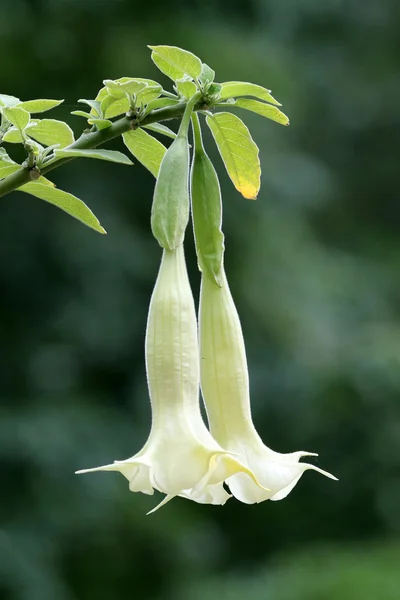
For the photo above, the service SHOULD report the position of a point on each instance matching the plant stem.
(184, 126)
(198, 142)
(92, 140)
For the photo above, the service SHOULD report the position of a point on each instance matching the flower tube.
(180, 456)
(225, 389)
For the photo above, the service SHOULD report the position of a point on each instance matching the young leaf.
(145, 148)
(175, 63)
(101, 123)
(266, 110)
(207, 74)
(13, 136)
(64, 200)
(238, 151)
(94, 104)
(39, 106)
(159, 128)
(113, 107)
(234, 89)
(50, 131)
(120, 89)
(187, 89)
(110, 155)
(82, 113)
(7, 165)
(17, 116)
(160, 103)
(6, 100)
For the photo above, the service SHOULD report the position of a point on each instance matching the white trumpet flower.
(180, 456)
(225, 388)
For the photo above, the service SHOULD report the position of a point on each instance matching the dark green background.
(314, 269)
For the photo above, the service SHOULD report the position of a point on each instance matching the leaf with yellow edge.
(145, 148)
(175, 63)
(64, 200)
(238, 151)
(234, 89)
(265, 110)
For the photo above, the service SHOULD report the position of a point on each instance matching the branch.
(92, 140)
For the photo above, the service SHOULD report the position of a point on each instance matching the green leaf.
(120, 89)
(207, 74)
(214, 89)
(266, 110)
(13, 136)
(8, 169)
(110, 155)
(50, 131)
(7, 165)
(64, 200)
(101, 123)
(157, 127)
(145, 148)
(38, 106)
(6, 100)
(113, 107)
(160, 103)
(238, 151)
(94, 104)
(233, 89)
(17, 116)
(175, 63)
(187, 89)
(82, 113)
(45, 181)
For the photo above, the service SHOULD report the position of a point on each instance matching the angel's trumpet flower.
(225, 389)
(180, 456)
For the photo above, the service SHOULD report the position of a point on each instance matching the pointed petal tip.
(94, 469)
(164, 501)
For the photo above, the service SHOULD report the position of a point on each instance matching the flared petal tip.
(94, 469)
(164, 501)
(318, 470)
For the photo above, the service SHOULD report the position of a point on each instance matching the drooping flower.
(180, 456)
(225, 389)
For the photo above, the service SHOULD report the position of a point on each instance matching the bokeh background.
(314, 269)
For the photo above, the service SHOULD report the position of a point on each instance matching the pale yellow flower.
(180, 456)
(225, 389)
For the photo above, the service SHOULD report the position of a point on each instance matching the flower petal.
(211, 494)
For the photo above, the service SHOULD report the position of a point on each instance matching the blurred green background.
(314, 269)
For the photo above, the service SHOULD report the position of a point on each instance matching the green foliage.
(39, 106)
(234, 89)
(146, 149)
(266, 110)
(7, 165)
(176, 63)
(17, 116)
(238, 151)
(50, 132)
(64, 200)
(161, 129)
(110, 155)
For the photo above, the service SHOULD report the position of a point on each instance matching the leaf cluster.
(130, 106)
